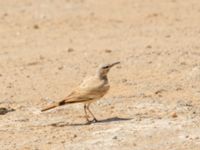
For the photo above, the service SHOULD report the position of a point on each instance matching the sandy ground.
(47, 47)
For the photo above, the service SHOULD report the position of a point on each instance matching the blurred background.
(47, 47)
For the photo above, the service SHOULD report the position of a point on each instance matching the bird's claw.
(94, 120)
(91, 121)
(88, 123)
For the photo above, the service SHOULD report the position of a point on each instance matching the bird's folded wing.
(77, 96)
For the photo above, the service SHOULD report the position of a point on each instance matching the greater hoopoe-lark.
(90, 90)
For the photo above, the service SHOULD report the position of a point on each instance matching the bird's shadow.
(113, 119)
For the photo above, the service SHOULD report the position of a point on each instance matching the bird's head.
(104, 69)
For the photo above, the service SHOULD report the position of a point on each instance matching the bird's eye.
(105, 67)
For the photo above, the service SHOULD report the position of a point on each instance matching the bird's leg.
(86, 115)
(94, 118)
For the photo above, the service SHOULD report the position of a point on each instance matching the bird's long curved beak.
(115, 63)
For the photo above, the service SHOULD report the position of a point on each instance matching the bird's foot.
(91, 121)
(88, 123)
(95, 120)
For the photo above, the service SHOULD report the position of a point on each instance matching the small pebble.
(118, 67)
(49, 142)
(41, 57)
(174, 115)
(60, 68)
(54, 137)
(168, 36)
(5, 14)
(32, 63)
(36, 26)
(70, 50)
(108, 51)
(148, 46)
(124, 80)
(74, 136)
(9, 86)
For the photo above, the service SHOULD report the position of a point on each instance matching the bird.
(90, 90)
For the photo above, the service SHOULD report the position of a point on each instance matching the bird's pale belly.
(96, 94)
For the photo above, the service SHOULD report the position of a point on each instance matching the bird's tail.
(50, 107)
(54, 105)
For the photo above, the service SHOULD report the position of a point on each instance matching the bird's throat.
(103, 77)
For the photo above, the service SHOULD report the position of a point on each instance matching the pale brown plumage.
(90, 90)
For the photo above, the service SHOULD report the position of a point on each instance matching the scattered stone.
(118, 67)
(174, 115)
(155, 15)
(41, 57)
(63, 142)
(60, 68)
(149, 46)
(160, 91)
(53, 136)
(70, 50)
(168, 36)
(115, 138)
(183, 63)
(32, 63)
(108, 51)
(22, 120)
(5, 14)
(9, 86)
(179, 89)
(159, 117)
(49, 142)
(36, 26)
(4, 110)
(124, 80)
(74, 136)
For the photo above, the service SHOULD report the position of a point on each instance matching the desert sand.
(48, 47)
